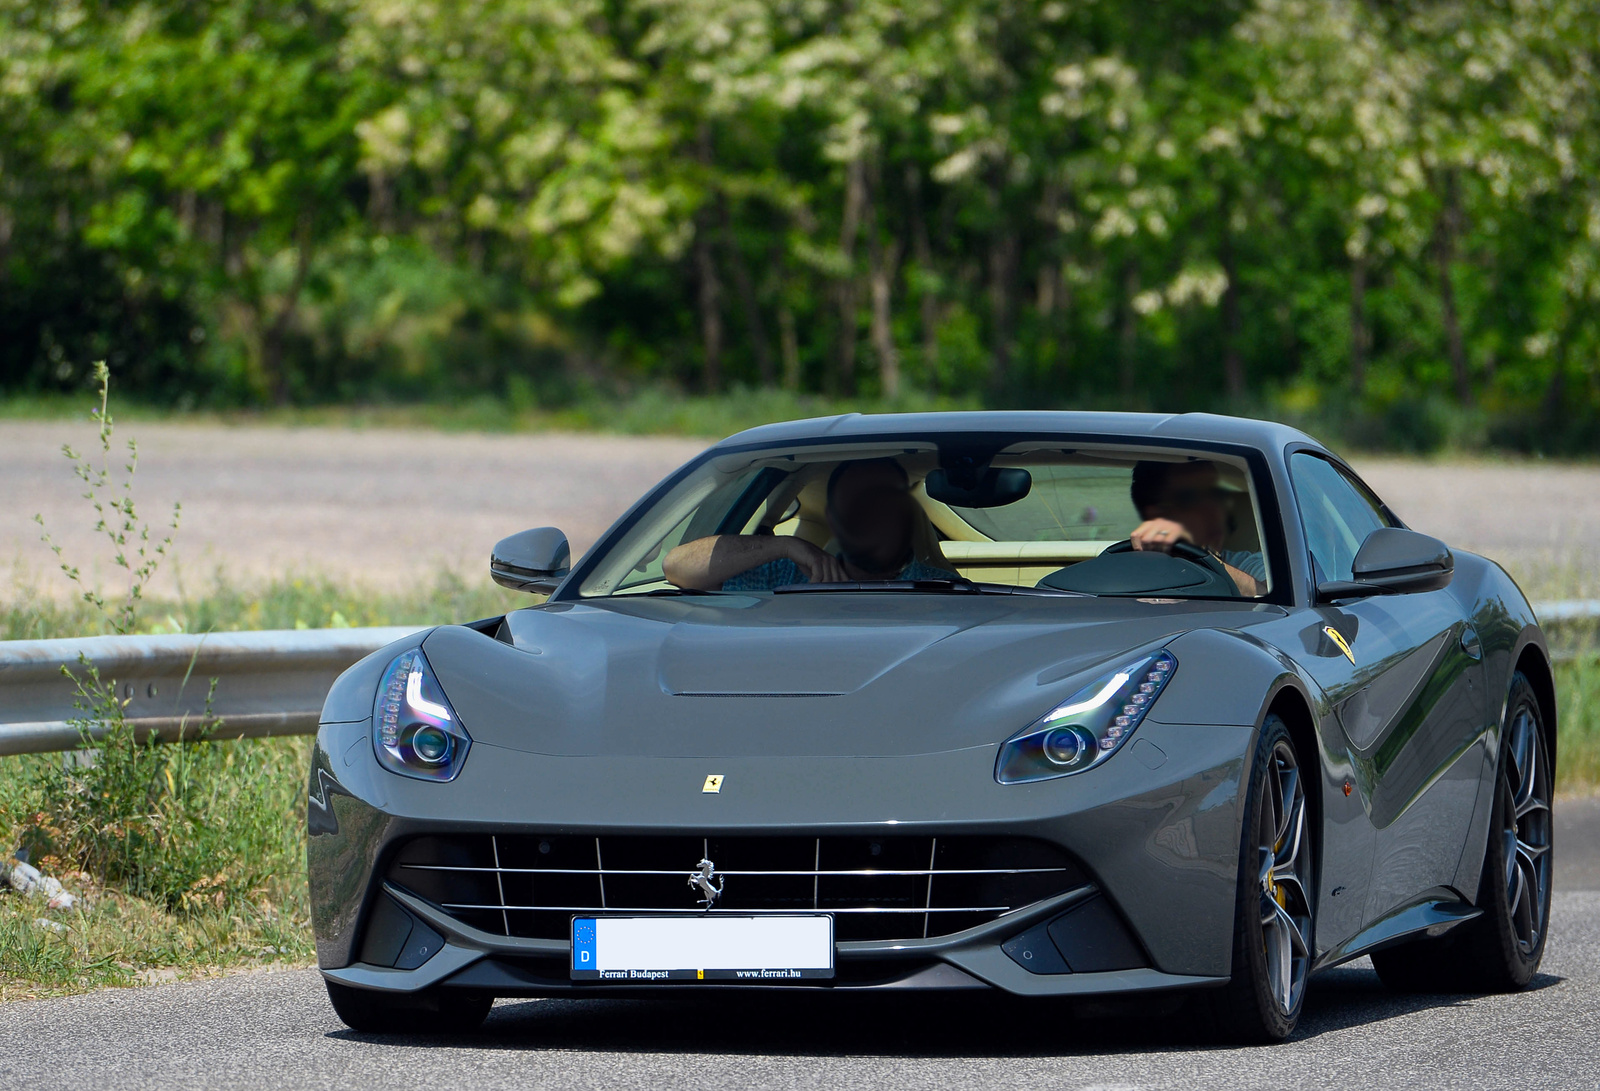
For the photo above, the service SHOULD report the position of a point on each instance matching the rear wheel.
(432, 1011)
(1499, 951)
(1273, 919)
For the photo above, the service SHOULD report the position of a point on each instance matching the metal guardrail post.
(268, 682)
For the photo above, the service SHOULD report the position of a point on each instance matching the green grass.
(169, 888)
(1578, 724)
(187, 857)
(309, 602)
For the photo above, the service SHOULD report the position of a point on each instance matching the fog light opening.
(1067, 746)
(430, 744)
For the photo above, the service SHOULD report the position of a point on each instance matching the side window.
(1336, 512)
(735, 499)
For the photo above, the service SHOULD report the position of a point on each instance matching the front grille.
(876, 887)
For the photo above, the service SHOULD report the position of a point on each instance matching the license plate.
(721, 947)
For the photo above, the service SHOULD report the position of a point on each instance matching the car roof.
(1198, 427)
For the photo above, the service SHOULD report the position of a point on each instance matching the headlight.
(414, 730)
(1089, 726)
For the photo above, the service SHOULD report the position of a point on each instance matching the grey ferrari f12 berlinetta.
(1056, 704)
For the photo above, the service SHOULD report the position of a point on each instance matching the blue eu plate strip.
(583, 932)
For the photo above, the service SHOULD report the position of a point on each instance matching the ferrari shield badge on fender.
(1333, 635)
(713, 783)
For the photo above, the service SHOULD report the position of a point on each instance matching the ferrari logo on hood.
(1335, 636)
(713, 784)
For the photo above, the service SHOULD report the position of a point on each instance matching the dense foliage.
(1381, 214)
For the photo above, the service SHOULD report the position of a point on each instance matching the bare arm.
(705, 563)
(1248, 585)
(1159, 534)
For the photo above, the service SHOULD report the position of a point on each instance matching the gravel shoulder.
(369, 508)
(1540, 520)
(379, 507)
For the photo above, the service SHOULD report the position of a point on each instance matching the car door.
(1406, 685)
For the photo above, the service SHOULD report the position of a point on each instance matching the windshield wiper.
(1040, 592)
(668, 591)
(955, 586)
(944, 587)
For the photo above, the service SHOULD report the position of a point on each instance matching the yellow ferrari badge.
(1333, 635)
(713, 783)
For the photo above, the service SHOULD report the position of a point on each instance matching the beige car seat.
(924, 541)
(810, 522)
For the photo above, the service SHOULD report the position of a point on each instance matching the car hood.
(842, 674)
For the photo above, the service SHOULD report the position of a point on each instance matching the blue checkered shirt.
(783, 571)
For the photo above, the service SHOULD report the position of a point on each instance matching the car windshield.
(925, 516)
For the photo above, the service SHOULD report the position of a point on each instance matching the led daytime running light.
(1117, 682)
(415, 699)
(416, 732)
(1088, 728)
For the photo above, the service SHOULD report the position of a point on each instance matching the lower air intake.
(878, 888)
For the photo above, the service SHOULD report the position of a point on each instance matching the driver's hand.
(1159, 535)
(819, 565)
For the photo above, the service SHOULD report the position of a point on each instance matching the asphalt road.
(276, 1030)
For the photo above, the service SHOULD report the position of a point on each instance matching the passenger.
(871, 513)
(1185, 502)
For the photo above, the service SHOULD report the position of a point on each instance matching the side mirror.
(1393, 561)
(535, 560)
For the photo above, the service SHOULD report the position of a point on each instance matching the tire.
(1275, 908)
(1499, 951)
(432, 1011)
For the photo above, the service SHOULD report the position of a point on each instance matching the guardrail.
(1555, 613)
(268, 682)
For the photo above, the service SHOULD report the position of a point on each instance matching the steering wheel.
(1218, 582)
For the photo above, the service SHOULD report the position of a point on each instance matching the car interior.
(1044, 510)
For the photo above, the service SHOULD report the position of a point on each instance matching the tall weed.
(110, 495)
(191, 825)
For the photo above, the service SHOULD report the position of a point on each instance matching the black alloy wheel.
(1499, 951)
(1274, 915)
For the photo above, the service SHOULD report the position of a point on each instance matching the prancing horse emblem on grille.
(701, 879)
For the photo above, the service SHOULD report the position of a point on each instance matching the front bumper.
(971, 960)
(1156, 830)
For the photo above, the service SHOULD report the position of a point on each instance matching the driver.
(1185, 502)
(871, 514)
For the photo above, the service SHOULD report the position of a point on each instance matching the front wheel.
(1273, 918)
